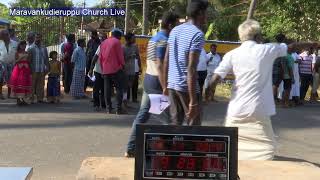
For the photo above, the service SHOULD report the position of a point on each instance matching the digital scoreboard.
(186, 152)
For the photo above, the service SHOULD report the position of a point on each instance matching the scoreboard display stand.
(186, 152)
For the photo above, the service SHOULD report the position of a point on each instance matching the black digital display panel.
(184, 152)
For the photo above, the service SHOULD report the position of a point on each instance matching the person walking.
(202, 70)
(252, 105)
(79, 62)
(153, 80)
(39, 59)
(184, 47)
(112, 65)
(213, 63)
(21, 80)
(98, 84)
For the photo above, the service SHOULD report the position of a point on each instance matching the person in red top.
(112, 64)
(67, 66)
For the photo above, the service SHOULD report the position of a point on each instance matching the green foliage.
(4, 11)
(298, 19)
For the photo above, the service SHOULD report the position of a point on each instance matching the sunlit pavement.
(55, 138)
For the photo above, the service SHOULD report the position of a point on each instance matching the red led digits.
(191, 165)
(181, 163)
(157, 145)
(202, 147)
(217, 147)
(164, 162)
(206, 164)
(177, 146)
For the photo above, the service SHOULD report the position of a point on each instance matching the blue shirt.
(156, 49)
(183, 39)
(79, 59)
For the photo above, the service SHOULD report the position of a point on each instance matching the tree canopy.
(298, 19)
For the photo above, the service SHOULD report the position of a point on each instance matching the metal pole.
(126, 25)
(252, 9)
(84, 6)
(145, 17)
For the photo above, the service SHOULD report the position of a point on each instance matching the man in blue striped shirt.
(153, 84)
(184, 47)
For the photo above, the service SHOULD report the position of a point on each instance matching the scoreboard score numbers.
(186, 152)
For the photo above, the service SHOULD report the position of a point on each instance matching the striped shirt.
(183, 39)
(156, 50)
(79, 59)
(306, 63)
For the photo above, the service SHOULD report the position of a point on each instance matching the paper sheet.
(93, 78)
(159, 103)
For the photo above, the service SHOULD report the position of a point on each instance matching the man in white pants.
(252, 102)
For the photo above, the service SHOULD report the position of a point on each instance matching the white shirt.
(214, 61)
(314, 58)
(8, 56)
(203, 60)
(29, 45)
(252, 65)
(97, 66)
(136, 66)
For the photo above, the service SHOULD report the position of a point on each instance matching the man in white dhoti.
(252, 102)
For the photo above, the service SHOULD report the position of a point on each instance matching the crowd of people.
(24, 66)
(178, 67)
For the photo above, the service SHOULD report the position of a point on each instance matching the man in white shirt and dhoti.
(252, 103)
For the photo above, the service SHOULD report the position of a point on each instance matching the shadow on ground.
(283, 158)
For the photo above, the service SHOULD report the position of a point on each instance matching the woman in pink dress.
(21, 81)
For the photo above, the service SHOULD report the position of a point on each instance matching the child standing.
(53, 85)
(20, 81)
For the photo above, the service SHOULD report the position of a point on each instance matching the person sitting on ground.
(78, 61)
(53, 84)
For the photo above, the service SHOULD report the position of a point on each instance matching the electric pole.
(145, 27)
(126, 25)
(252, 9)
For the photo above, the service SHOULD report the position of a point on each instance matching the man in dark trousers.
(112, 65)
(67, 66)
(153, 84)
(92, 47)
(184, 47)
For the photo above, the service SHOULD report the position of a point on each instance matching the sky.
(89, 3)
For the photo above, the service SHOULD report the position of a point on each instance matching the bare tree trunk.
(145, 27)
(126, 25)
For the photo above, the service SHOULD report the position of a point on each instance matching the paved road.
(54, 139)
